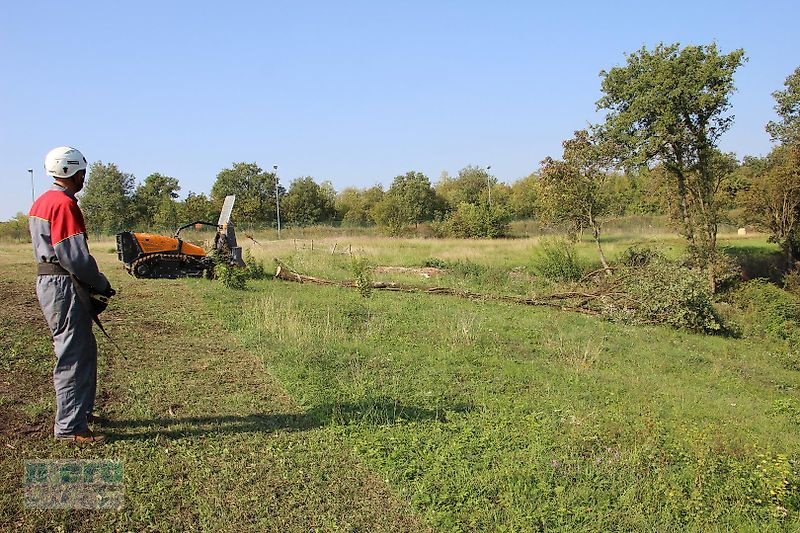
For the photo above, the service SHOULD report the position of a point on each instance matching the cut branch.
(587, 303)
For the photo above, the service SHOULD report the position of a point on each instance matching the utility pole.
(277, 200)
(33, 194)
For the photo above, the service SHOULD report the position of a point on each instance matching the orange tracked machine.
(147, 255)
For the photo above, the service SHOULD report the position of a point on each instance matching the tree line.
(656, 152)
(473, 203)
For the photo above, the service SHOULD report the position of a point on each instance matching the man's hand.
(109, 292)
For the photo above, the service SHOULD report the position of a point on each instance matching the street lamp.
(489, 185)
(277, 200)
(33, 198)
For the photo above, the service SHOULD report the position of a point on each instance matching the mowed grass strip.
(494, 416)
(207, 438)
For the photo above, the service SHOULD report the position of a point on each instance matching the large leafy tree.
(574, 190)
(149, 198)
(254, 190)
(669, 106)
(787, 105)
(107, 198)
(409, 200)
(197, 207)
(307, 203)
(524, 199)
(354, 206)
(470, 186)
(167, 214)
(772, 202)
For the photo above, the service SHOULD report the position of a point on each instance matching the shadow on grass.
(757, 262)
(376, 412)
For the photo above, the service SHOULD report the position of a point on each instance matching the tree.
(772, 202)
(354, 206)
(392, 214)
(787, 105)
(470, 186)
(574, 190)
(669, 106)
(15, 228)
(197, 207)
(148, 197)
(166, 214)
(409, 200)
(307, 203)
(107, 198)
(254, 190)
(524, 199)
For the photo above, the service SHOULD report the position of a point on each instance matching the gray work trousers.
(75, 371)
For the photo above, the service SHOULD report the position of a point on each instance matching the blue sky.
(351, 92)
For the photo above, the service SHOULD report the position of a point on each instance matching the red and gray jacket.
(58, 234)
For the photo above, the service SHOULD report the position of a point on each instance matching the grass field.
(295, 407)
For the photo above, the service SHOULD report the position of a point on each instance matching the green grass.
(294, 406)
(208, 439)
(485, 416)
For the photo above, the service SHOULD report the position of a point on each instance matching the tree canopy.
(254, 190)
(787, 105)
(307, 203)
(107, 198)
(154, 199)
(670, 106)
(573, 190)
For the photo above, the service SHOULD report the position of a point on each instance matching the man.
(67, 275)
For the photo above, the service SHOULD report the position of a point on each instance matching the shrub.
(667, 293)
(727, 272)
(791, 281)
(362, 274)
(473, 221)
(255, 267)
(556, 260)
(770, 311)
(639, 256)
(435, 262)
(232, 277)
(467, 269)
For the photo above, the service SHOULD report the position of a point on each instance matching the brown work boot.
(83, 437)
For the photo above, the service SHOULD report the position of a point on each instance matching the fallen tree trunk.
(558, 301)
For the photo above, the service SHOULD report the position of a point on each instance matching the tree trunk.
(596, 234)
(688, 227)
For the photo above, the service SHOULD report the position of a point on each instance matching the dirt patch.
(19, 300)
(25, 382)
(18, 389)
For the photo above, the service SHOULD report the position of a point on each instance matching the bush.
(556, 260)
(255, 268)
(639, 256)
(667, 293)
(791, 281)
(470, 221)
(362, 274)
(232, 277)
(770, 311)
(15, 229)
(435, 262)
(727, 272)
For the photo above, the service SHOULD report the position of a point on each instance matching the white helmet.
(64, 162)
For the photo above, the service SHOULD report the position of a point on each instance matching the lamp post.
(277, 201)
(33, 197)
(489, 185)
